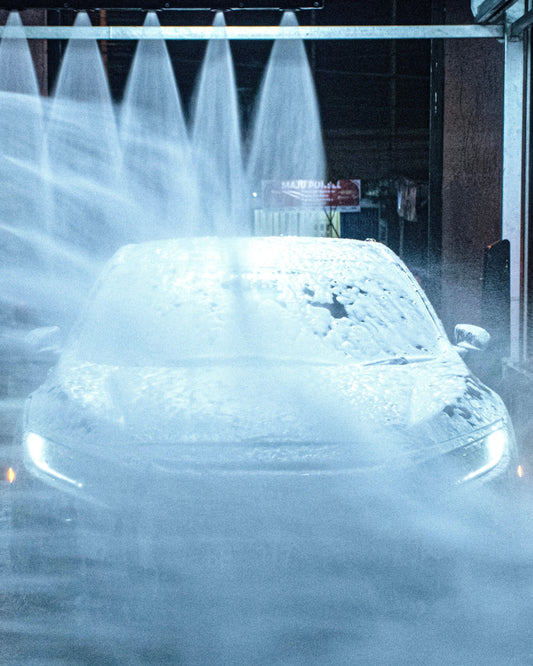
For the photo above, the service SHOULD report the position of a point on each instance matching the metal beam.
(168, 5)
(512, 206)
(493, 10)
(259, 32)
(523, 23)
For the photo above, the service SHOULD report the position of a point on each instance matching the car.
(242, 360)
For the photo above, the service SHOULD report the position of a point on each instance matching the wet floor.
(333, 577)
(310, 572)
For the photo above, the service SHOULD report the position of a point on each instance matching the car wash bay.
(465, 143)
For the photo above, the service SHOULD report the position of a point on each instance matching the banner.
(344, 195)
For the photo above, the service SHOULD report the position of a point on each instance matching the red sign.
(344, 195)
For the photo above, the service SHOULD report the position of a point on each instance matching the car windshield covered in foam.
(169, 303)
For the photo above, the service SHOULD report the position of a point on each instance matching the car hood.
(264, 410)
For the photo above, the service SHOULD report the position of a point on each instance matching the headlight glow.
(480, 456)
(39, 452)
(486, 453)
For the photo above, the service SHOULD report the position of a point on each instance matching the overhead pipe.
(315, 32)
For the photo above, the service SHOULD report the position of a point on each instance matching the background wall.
(472, 166)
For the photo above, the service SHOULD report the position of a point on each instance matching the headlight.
(47, 457)
(482, 455)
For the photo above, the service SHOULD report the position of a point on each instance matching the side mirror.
(470, 338)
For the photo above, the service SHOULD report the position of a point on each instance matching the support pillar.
(512, 187)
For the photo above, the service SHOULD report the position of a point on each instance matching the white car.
(261, 358)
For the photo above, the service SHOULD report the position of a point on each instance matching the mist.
(241, 545)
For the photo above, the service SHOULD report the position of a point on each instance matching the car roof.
(342, 255)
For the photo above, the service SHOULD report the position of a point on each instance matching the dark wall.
(472, 166)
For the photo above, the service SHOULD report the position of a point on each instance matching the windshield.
(161, 312)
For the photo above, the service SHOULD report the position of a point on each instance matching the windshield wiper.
(400, 360)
